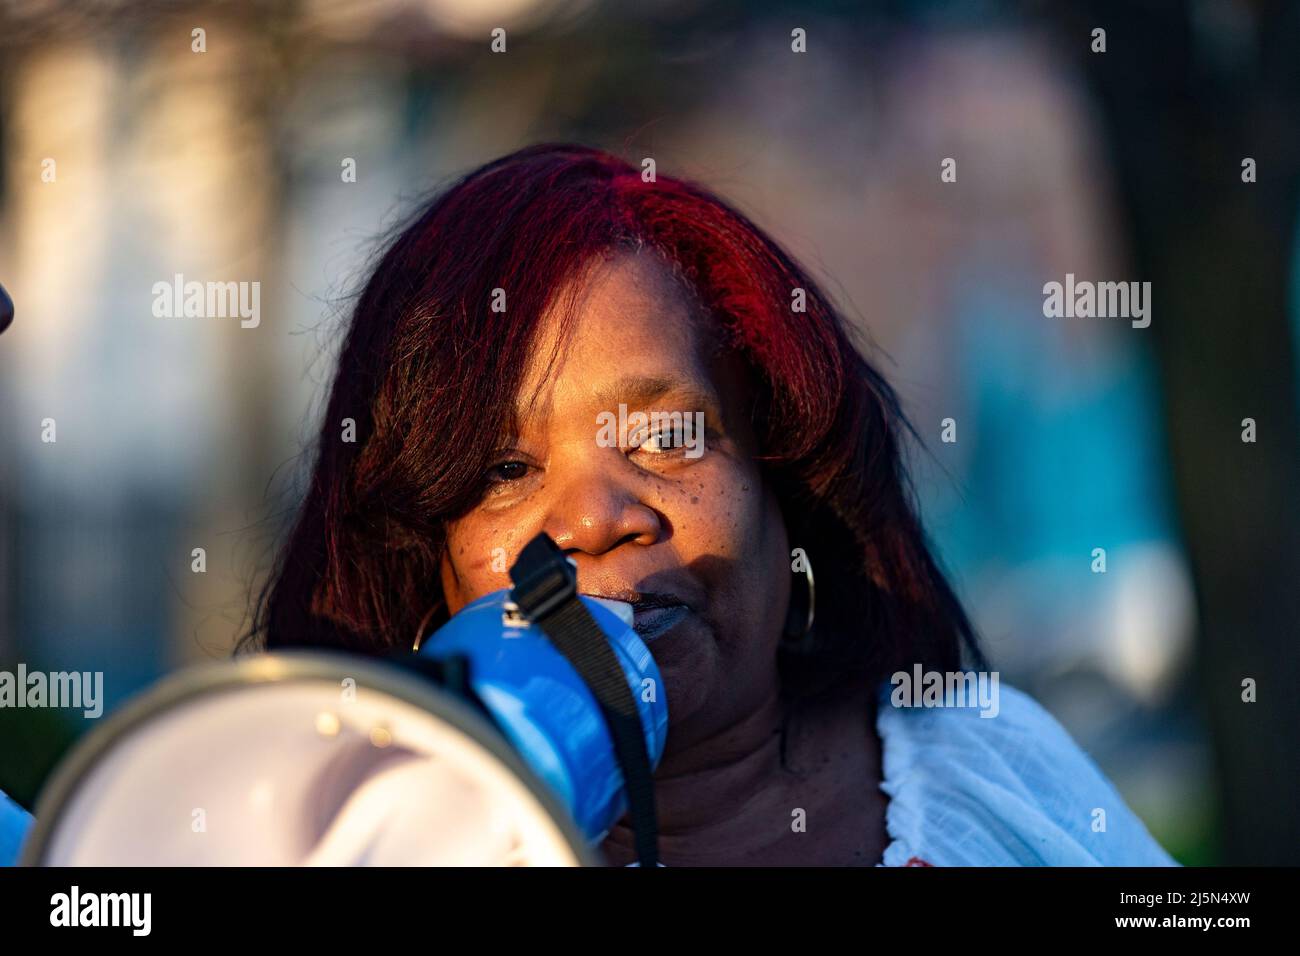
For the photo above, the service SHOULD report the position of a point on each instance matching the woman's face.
(690, 534)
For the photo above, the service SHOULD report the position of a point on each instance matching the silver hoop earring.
(419, 631)
(799, 639)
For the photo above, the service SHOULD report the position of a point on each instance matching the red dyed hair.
(430, 373)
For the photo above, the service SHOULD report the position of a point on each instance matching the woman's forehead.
(629, 333)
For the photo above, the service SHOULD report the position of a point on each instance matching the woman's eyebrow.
(638, 391)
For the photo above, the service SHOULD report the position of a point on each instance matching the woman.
(555, 288)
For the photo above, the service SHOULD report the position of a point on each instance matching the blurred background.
(229, 164)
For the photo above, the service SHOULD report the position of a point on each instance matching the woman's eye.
(507, 471)
(661, 441)
(683, 438)
(687, 440)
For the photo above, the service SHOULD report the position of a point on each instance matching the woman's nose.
(595, 512)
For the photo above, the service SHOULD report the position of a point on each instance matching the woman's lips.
(653, 622)
(653, 613)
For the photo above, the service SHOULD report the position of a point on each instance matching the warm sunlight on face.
(691, 536)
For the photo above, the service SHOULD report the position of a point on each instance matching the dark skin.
(704, 529)
(832, 772)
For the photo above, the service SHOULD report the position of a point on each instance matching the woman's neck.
(729, 799)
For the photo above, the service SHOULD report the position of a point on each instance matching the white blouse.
(1007, 790)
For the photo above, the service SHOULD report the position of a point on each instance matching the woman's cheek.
(718, 507)
(480, 556)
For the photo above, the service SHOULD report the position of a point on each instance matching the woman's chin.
(686, 653)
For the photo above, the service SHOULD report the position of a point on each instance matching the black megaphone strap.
(546, 591)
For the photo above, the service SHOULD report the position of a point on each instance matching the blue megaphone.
(570, 684)
(522, 728)
(6, 309)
